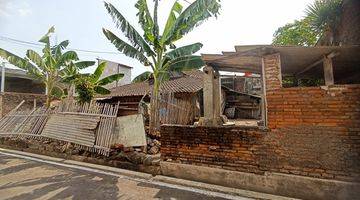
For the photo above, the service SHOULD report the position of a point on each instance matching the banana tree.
(87, 85)
(49, 67)
(157, 50)
(69, 74)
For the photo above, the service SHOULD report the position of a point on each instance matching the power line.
(187, 1)
(32, 44)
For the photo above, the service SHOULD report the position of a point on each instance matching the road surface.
(21, 178)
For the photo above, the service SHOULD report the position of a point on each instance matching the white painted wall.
(114, 68)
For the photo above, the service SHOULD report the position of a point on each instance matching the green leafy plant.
(320, 23)
(297, 33)
(324, 17)
(48, 67)
(157, 50)
(88, 85)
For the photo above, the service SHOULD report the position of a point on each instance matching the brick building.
(308, 144)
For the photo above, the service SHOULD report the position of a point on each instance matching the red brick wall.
(10, 100)
(333, 106)
(312, 132)
(228, 148)
(302, 150)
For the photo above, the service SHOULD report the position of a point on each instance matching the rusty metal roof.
(294, 59)
(189, 82)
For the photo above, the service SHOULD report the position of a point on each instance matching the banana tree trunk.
(154, 109)
(71, 91)
(49, 88)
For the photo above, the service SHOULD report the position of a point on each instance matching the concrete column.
(328, 71)
(208, 93)
(272, 72)
(3, 77)
(217, 95)
(212, 98)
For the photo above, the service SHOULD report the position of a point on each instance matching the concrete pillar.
(328, 71)
(217, 94)
(208, 93)
(272, 72)
(2, 77)
(212, 98)
(271, 81)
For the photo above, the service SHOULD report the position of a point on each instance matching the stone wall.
(9, 100)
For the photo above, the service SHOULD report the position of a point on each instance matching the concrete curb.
(244, 194)
(217, 188)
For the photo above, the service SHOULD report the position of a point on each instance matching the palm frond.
(155, 28)
(56, 50)
(35, 58)
(175, 10)
(142, 77)
(46, 38)
(101, 90)
(110, 79)
(185, 63)
(84, 64)
(192, 17)
(98, 71)
(145, 20)
(134, 37)
(21, 63)
(126, 48)
(324, 14)
(66, 58)
(184, 51)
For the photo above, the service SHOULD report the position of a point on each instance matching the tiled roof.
(191, 81)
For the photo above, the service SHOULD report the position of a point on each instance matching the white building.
(115, 68)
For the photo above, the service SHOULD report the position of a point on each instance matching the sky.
(241, 22)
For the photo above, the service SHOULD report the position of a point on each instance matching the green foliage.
(85, 90)
(88, 85)
(142, 77)
(49, 67)
(298, 33)
(291, 81)
(322, 18)
(153, 49)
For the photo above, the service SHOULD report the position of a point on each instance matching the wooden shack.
(178, 103)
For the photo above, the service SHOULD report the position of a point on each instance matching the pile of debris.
(153, 146)
(90, 130)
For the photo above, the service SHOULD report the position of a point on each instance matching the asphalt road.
(27, 179)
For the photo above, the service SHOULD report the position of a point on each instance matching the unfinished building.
(308, 136)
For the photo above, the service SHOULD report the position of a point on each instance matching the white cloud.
(24, 12)
(11, 8)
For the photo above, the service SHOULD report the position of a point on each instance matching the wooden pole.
(328, 71)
